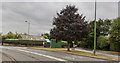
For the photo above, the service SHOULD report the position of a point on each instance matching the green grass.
(92, 55)
(75, 52)
(109, 51)
(79, 52)
(48, 48)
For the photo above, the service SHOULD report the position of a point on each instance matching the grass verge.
(110, 52)
(64, 50)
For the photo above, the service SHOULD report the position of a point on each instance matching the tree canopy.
(115, 35)
(11, 35)
(102, 28)
(46, 35)
(69, 25)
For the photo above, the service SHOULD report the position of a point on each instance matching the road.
(25, 54)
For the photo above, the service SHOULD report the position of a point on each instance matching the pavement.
(98, 53)
(28, 55)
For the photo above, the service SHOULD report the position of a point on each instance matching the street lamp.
(94, 51)
(28, 26)
(28, 29)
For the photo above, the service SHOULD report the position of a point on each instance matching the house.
(33, 37)
(46, 42)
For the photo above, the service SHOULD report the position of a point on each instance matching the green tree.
(0, 37)
(102, 28)
(10, 35)
(25, 34)
(17, 36)
(69, 26)
(103, 43)
(115, 35)
(46, 35)
(0, 34)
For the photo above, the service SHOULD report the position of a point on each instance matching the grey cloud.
(41, 14)
(0, 17)
(59, 0)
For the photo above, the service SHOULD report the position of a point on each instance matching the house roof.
(34, 37)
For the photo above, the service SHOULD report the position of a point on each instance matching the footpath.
(106, 54)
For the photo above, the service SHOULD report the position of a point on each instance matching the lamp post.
(28, 26)
(95, 31)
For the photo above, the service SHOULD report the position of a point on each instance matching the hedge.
(24, 42)
(59, 44)
(115, 46)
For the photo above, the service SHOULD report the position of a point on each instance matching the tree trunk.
(2, 43)
(68, 48)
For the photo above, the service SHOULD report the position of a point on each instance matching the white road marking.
(35, 53)
(43, 55)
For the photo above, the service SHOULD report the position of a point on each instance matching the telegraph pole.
(95, 31)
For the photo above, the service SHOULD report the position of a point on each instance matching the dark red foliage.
(69, 25)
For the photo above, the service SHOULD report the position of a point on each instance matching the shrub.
(115, 35)
(82, 44)
(115, 46)
(103, 43)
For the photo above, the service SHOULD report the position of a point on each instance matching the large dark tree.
(69, 26)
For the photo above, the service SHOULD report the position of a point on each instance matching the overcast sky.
(40, 14)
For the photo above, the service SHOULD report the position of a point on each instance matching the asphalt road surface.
(28, 55)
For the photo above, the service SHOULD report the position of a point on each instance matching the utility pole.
(95, 31)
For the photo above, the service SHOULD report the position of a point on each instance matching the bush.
(82, 44)
(58, 44)
(24, 42)
(115, 35)
(115, 46)
(103, 43)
